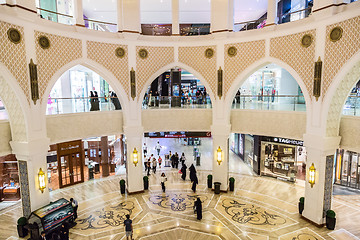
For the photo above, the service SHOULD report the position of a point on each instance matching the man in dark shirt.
(128, 227)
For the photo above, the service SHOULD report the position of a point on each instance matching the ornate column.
(272, 17)
(134, 173)
(131, 16)
(79, 13)
(220, 135)
(175, 18)
(222, 16)
(320, 152)
(31, 157)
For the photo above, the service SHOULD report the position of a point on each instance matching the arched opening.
(176, 88)
(81, 90)
(352, 104)
(270, 88)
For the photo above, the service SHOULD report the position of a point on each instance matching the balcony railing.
(81, 104)
(176, 102)
(294, 16)
(352, 106)
(270, 102)
(56, 17)
(249, 25)
(100, 25)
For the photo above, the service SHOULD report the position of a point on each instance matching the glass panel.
(345, 169)
(354, 170)
(65, 170)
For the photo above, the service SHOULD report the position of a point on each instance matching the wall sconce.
(135, 157)
(41, 176)
(312, 175)
(219, 155)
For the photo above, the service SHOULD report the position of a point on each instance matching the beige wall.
(67, 127)
(5, 138)
(350, 133)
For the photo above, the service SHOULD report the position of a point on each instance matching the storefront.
(9, 178)
(347, 168)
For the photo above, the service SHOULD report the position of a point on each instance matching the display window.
(347, 168)
(9, 178)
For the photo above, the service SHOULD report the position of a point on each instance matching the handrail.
(61, 14)
(260, 19)
(96, 21)
(301, 10)
(268, 95)
(81, 97)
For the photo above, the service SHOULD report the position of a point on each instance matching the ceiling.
(159, 11)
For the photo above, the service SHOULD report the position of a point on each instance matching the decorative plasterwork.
(339, 52)
(61, 51)
(289, 50)
(13, 56)
(247, 54)
(104, 53)
(157, 58)
(195, 58)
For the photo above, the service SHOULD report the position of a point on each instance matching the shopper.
(96, 101)
(128, 227)
(183, 172)
(43, 236)
(163, 179)
(148, 167)
(115, 101)
(182, 159)
(198, 209)
(145, 149)
(74, 204)
(92, 108)
(158, 147)
(145, 163)
(172, 159)
(160, 161)
(194, 183)
(154, 165)
(176, 163)
(192, 172)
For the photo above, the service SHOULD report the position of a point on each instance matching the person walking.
(182, 159)
(145, 163)
(163, 179)
(96, 101)
(198, 209)
(158, 147)
(194, 183)
(148, 167)
(145, 149)
(183, 172)
(128, 227)
(154, 165)
(192, 172)
(160, 161)
(176, 163)
(92, 108)
(172, 159)
(75, 205)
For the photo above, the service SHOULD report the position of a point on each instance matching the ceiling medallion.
(336, 34)
(232, 51)
(209, 53)
(44, 42)
(143, 53)
(14, 35)
(120, 52)
(306, 40)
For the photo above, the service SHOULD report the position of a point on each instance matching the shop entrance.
(70, 162)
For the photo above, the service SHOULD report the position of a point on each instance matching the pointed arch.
(99, 69)
(167, 67)
(243, 76)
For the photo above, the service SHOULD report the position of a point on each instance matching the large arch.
(337, 94)
(99, 69)
(241, 78)
(16, 105)
(167, 67)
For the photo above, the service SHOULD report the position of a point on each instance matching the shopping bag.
(180, 171)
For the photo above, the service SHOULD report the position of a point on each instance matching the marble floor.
(259, 208)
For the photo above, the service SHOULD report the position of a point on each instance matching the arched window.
(176, 88)
(352, 104)
(81, 90)
(270, 88)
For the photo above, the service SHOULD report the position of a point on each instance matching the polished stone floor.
(259, 208)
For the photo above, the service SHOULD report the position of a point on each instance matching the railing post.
(355, 106)
(272, 13)
(57, 105)
(294, 104)
(79, 13)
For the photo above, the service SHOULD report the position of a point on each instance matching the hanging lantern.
(219, 155)
(41, 176)
(135, 157)
(312, 171)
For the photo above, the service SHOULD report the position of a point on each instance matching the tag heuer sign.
(289, 141)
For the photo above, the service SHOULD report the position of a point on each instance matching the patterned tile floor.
(260, 208)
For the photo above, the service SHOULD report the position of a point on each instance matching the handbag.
(180, 171)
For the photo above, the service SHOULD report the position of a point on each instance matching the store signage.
(177, 134)
(288, 141)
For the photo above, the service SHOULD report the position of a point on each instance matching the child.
(160, 161)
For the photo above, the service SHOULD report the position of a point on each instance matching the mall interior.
(112, 102)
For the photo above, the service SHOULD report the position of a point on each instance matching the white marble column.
(222, 16)
(31, 157)
(220, 135)
(79, 13)
(272, 17)
(320, 151)
(120, 21)
(175, 17)
(134, 174)
(131, 16)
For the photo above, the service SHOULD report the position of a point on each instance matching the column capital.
(220, 129)
(24, 150)
(326, 144)
(133, 131)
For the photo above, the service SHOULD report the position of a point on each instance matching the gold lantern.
(219, 155)
(41, 176)
(135, 157)
(312, 171)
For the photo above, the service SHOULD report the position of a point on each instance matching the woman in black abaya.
(183, 171)
(198, 209)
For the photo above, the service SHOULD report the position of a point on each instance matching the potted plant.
(122, 186)
(301, 204)
(330, 219)
(21, 223)
(146, 182)
(209, 177)
(231, 184)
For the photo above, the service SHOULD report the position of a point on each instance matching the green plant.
(146, 178)
(302, 200)
(330, 213)
(22, 221)
(122, 182)
(231, 179)
(209, 176)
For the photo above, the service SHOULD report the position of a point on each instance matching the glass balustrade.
(100, 26)
(85, 104)
(56, 17)
(175, 102)
(269, 102)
